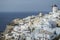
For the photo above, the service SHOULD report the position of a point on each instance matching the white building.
(36, 28)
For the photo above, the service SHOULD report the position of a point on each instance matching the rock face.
(8, 28)
(37, 27)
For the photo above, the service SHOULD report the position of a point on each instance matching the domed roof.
(54, 5)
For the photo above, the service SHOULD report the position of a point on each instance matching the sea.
(7, 17)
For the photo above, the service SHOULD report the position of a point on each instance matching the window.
(12, 37)
(59, 18)
(59, 15)
(56, 17)
(10, 34)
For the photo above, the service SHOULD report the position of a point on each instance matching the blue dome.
(54, 5)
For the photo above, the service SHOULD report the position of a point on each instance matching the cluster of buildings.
(39, 27)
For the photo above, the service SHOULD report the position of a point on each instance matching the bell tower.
(54, 8)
